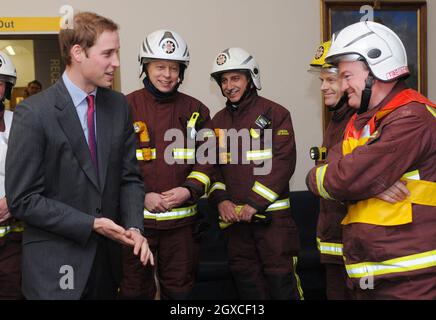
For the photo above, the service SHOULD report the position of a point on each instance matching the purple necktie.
(91, 131)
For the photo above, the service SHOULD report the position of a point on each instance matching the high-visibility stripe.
(320, 173)
(140, 154)
(265, 192)
(217, 186)
(297, 278)
(179, 153)
(259, 154)
(173, 214)
(4, 230)
(200, 177)
(397, 265)
(279, 205)
(432, 111)
(331, 248)
(412, 175)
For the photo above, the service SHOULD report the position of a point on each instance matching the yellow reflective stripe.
(259, 154)
(320, 173)
(179, 153)
(331, 248)
(397, 265)
(4, 230)
(265, 192)
(432, 111)
(217, 186)
(200, 177)
(297, 278)
(412, 175)
(140, 154)
(176, 213)
(279, 205)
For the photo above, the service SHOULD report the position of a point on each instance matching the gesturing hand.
(140, 247)
(111, 230)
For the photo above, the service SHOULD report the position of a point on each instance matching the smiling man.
(331, 213)
(72, 176)
(262, 256)
(389, 248)
(171, 222)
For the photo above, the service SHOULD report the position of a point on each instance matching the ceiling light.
(10, 50)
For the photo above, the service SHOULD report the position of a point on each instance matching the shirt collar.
(77, 94)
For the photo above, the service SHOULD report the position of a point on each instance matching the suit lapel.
(104, 134)
(70, 124)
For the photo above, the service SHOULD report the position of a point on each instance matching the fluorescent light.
(10, 50)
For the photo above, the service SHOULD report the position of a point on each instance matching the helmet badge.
(221, 59)
(168, 47)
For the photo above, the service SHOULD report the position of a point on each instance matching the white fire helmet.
(236, 59)
(373, 43)
(165, 45)
(8, 73)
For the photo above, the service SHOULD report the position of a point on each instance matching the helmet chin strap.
(340, 103)
(366, 95)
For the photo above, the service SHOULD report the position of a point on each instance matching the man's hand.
(396, 193)
(154, 202)
(4, 210)
(140, 246)
(111, 230)
(247, 213)
(176, 196)
(227, 211)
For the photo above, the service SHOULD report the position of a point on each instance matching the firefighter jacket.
(331, 213)
(270, 146)
(393, 141)
(169, 164)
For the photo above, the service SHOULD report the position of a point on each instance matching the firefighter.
(252, 187)
(329, 229)
(171, 170)
(10, 228)
(389, 248)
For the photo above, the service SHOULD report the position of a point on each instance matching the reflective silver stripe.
(259, 154)
(279, 205)
(265, 192)
(183, 153)
(331, 248)
(320, 173)
(200, 177)
(140, 155)
(176, 213)
(217, 186)
(397, 265)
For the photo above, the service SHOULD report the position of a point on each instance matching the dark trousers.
(10, 266)
(262, 259)
(101, 284)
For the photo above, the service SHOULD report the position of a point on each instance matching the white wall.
(281, 34)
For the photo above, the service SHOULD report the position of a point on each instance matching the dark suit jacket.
(52, 186)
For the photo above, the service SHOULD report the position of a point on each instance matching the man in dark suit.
(72, 173)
